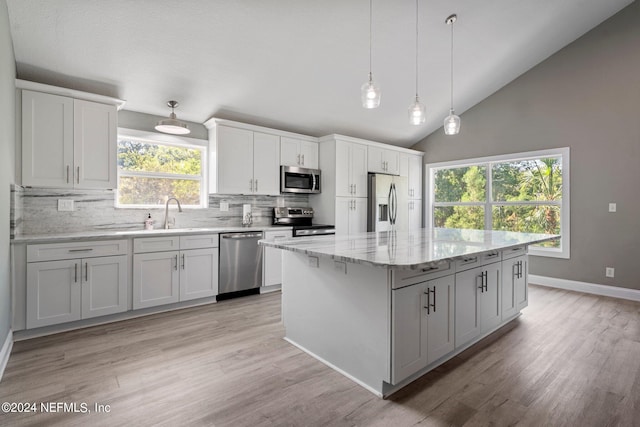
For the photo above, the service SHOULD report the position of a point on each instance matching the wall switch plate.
(224, 206)
(612, 207)
(609, 271)
(65, 205)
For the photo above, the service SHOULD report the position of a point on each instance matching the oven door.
(299, 180)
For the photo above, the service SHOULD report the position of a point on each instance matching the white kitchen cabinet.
(422, 325)
(162, 274)
(415, 214)
(68, 143)
(298, 152)
(477, 300)
(351, 169)
(382, 160)
(248, 162)
(272, 260)
(514, 282)
(415, 177)
(62, 287)
(351, 215)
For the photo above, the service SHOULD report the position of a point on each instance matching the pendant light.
(451, 122)
(417, 110)
(370, 92)
(172, 125)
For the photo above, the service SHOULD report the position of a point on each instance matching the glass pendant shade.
(417, 113)
(451, 124)
(370, 94)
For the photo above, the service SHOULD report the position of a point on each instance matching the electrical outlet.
(609, 271)
(224, 206)
(65, 205)
(612, 207)
(313, 261)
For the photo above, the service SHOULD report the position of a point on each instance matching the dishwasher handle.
(239, 236)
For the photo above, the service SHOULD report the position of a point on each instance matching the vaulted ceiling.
(295, 65)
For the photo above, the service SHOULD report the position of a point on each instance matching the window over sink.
(525, 192)
(154, 167)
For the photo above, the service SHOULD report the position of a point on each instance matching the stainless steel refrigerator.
(388, 203)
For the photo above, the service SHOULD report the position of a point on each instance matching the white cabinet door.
(440, 319)
(391, 161)
(273, 258)
(467, 302)
(415, 214)
(198, 273)
(95, 144)
(522, 284)
(510, 273)
(375, 163)
(404, 166)
(290, 152)
(155, 279)
(266, 164)
(358, 168)
(408, 334)
(490, 298)
(415, 177)
(309, 154)
(53, 292)
(358, 217)
(235, 160)
(344, 186)
(344, 205)
(105, 285)
(47, 140)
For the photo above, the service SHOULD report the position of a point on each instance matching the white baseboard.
(589, 288)
(5, 352)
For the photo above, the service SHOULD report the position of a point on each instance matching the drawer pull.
(471, 259)
(425, 270)
(80, 250)
(491, 255)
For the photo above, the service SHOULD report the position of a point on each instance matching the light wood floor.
(571, 359)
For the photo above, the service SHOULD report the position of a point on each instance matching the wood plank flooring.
(572, 359)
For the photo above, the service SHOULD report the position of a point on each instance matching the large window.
(527, 192)
(154, 167)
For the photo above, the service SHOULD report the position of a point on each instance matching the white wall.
(7, 156)
(586, 97)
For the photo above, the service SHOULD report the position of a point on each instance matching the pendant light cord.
(370, 20)
(451, 108)
(416, 50)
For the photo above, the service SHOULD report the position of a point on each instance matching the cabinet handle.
(428, 306)
(303, 160)
(86, 271)
(350, 188)
(434, 299)
(481, 287)
(251, 185)
(514, 270)
(355, 188)
(491, 255)
(425, 270)
(75, 267)
(81, 250)
(298, 159)
(256, 185)
(67, 174)
(486, 281)
(474, 259)
(176, 266)
(183, 261)
(78, 176)
(519, 269)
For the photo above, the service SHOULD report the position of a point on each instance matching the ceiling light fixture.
(417, 111)
(451, 122)
(370, 91)
(172, 125)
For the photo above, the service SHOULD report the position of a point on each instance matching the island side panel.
(342, 317)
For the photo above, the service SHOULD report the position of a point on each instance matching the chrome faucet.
(166, 211)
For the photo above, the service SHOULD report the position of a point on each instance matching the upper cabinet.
(411, 167)
(351, 169)
(381, 160)
(298, 152)
(67, 142)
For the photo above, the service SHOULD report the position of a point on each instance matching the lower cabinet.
(422, 325)
(168, 276)
(477, 302)
(73, 289)
(272, 260)
(514, 285)
(351, 215)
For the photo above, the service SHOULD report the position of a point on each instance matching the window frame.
(488, 203)
(166, 140)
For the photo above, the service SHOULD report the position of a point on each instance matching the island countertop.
(409, 249)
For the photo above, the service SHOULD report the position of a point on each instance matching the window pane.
(155, 191)
(147, 157)
(527, 180)
(528, 219)
(467, 184)
(459, 217)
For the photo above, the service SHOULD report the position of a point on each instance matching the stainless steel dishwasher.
(240, 262)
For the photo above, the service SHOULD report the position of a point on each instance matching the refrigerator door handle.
(393, 204)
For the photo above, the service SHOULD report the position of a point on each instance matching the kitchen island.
(384, 308)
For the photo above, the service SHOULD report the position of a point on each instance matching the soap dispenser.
(148, 223)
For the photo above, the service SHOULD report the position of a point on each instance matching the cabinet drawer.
(156, 244)
(70, 250)
(514, 252)
(199, 241)
(477, 260)
(403, 278)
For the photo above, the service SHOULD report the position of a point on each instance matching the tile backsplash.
(34, 210)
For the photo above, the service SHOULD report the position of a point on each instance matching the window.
(154, 167)
(526, 192)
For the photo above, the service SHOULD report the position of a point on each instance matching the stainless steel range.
(301, 219)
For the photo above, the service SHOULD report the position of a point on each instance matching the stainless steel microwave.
(299, 180)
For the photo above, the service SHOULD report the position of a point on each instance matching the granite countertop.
(408, 249)
(99, 235)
